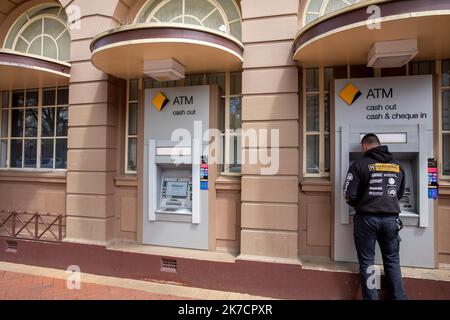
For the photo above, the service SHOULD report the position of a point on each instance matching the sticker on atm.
(203, 185)
(384, 167)
(433, 193)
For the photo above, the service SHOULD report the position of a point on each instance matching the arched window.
(317, 8)
(41, 31)
(220, 15)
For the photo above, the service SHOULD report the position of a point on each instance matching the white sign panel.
(384, 101)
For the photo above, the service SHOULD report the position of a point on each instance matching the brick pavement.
(19, 286)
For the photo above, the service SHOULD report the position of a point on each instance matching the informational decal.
(433, 185)
(204, 174)
(393, 100)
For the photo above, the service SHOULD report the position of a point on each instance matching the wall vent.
(11, 246)
(168, 265)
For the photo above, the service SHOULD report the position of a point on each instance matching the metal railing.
(32, 226)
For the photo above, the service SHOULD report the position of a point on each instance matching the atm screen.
(176, 189)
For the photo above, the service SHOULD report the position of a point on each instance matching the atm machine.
(175, 169)
(404, 122)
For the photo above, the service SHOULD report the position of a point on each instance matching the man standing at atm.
(373, 186)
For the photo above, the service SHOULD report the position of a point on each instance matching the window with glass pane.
(317, 120)
(446, 118)
(24, 125)
(54, 127)
(421, 68)
(312, 121)
(31, 122)
(220, 15)
(234, 139)
(132, 125)
(233, 121)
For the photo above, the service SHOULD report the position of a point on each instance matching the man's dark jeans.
(369, 228)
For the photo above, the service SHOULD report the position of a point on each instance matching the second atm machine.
(400, 111)
(175, 211)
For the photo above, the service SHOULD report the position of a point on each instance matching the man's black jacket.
(375, 183)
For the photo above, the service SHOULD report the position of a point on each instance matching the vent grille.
(169, 265)
(11, 246)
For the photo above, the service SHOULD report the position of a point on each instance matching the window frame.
(226, 136)
(38, 137)
(15, 32)
(321, 133)
(145, 15)
(441, 130)
(127, 126)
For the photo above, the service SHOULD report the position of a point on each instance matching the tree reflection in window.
(37, 138)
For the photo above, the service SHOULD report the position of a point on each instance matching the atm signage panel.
(384, 101)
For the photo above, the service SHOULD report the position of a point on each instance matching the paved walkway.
(21, 282)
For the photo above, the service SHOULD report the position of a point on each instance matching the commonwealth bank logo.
(160, 101)
(350, 94)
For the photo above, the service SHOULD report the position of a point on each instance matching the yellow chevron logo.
(160, 101)
(350, 94)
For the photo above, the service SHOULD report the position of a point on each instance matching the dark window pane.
(134, 90)
(340, 72)
(361, 72)
(234, 159)
(446, 73)
(327, 153)
(132, 118)
(132, 154)
(3, 153)
(193, 80)
(446, 154)
(5, 99)
(32, 97)
(393, 72)
(63, 116)
(31, 122)
(327, 112)
(61, 154)
(446, 110)
(235, 113)
(149, 83)
(312, 80)
(47, 153)
(222, 115)
(420, 68)
(30, 151)
(312, 154)
(236, 83)
(218, 79)
(18, 99)
(49, 97)
(63, 97)
(48, 122)
(17, 123)
(16, 154)
(329, 75)
(4, 124)
(312, 112)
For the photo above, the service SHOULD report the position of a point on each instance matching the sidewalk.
(22, 282)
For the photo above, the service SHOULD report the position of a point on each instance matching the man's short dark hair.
(370, 139)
